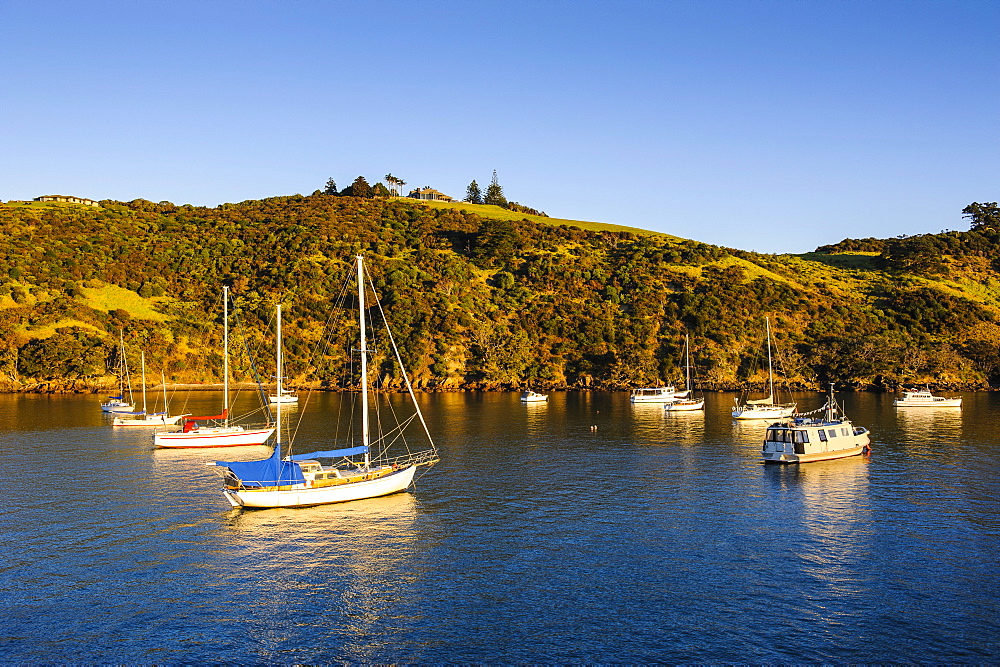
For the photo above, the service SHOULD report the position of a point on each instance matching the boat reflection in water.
(685, 427)
(345, 569)
(828, 500)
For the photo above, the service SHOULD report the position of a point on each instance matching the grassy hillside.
(483, 298)
(497, 213)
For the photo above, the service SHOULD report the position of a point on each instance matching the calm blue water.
(654, 538)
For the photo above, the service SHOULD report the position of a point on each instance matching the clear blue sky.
(774, 126)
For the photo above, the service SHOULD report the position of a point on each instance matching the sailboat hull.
(686, 405)
(233, 436)
(301, 496)
(151, 421)
(764, 412)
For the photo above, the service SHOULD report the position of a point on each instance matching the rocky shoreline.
(91, 387)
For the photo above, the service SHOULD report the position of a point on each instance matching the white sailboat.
(302, 480)
(222, 433)
(118, 403)
(765, 408)
(144, 418)
(689, 404)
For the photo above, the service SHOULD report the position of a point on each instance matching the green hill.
(481, 297)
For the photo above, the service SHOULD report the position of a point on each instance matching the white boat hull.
(936, 402)
(117, 407)
(657, 395)
(685, 405)
(233, 436)
(283, 400)
(300, 495)
(149, 421)
(764, 412)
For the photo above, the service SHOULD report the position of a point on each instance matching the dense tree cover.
(474, 302)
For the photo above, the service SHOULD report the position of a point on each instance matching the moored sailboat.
(302, 480)
(118, 403)
(222, 434)
(764, 408)
(688, 403)
(145, 418)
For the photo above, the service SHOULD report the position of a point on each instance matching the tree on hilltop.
(494, 193)
(361, 188)
(983, 216)
(331, 187)
(395, 184)
(473, 195)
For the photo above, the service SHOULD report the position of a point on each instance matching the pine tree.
(472, 194)
(331, 187)
(494, 193)
(360, 188)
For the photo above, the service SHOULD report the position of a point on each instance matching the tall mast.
(770, 375)
(142, 355)
(364, 359)
(163, 382)
(687, 361)
(277, 441)
(225, 352)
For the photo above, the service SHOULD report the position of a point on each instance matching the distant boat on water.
(765, 408)
(222, 433)
(689, 404)
(922, 398)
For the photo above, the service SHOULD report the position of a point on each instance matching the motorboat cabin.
(922, 398)
(656, 394)
(806, 439)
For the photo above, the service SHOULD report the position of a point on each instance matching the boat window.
(822, 435)
(832, 432)
(843, 431)
(801, 436)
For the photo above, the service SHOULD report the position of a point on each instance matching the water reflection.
(749, 431)
(687, 428)
(919, 422)
(828, 500)
(536, 416)
(343, 570)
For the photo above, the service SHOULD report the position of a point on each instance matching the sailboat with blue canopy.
(300, 480)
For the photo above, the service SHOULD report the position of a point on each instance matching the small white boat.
(764, 408)
(118, 403)
(533, 397)
(804, 439)
(922, 398)
(664, 394)
(690, 404)
(284, 396)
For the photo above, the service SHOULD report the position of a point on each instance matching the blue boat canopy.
(332, 453)
(268, 472)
